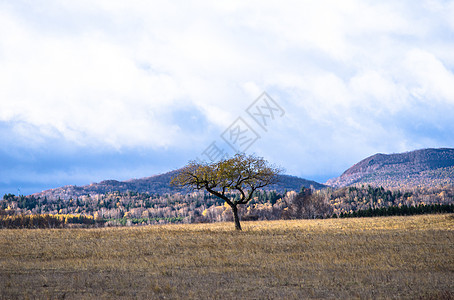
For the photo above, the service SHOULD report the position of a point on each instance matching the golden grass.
(393, 257)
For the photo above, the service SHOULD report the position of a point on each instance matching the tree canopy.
(241, 174)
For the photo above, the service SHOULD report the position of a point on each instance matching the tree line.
(47, 221)
(131, 208)
(400, 211)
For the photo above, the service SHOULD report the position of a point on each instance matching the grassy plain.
(392, 257)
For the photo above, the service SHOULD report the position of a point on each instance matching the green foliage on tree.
(8, 196)
(242, 174)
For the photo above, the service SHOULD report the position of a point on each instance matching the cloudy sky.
(93, 90)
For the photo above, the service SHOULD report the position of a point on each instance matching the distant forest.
(131, 208)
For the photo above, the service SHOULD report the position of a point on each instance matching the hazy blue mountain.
(158, 184)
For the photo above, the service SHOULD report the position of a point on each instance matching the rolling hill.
(157, 184)
(426, 167)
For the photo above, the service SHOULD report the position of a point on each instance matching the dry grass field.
(392, 257)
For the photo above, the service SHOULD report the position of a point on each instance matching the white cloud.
(113, 74)
(428, 77)
(378, 92)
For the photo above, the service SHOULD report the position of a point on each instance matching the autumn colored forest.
(130, 208)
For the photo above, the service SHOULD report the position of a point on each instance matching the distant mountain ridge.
(425, 167)
(157, 184)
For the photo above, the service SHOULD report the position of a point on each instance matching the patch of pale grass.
(393, 257)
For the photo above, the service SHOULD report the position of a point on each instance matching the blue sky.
(93, 90)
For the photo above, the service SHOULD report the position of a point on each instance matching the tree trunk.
(236, 218)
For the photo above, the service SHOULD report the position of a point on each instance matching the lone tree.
(241, 173)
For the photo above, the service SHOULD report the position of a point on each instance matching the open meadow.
(389, 257)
